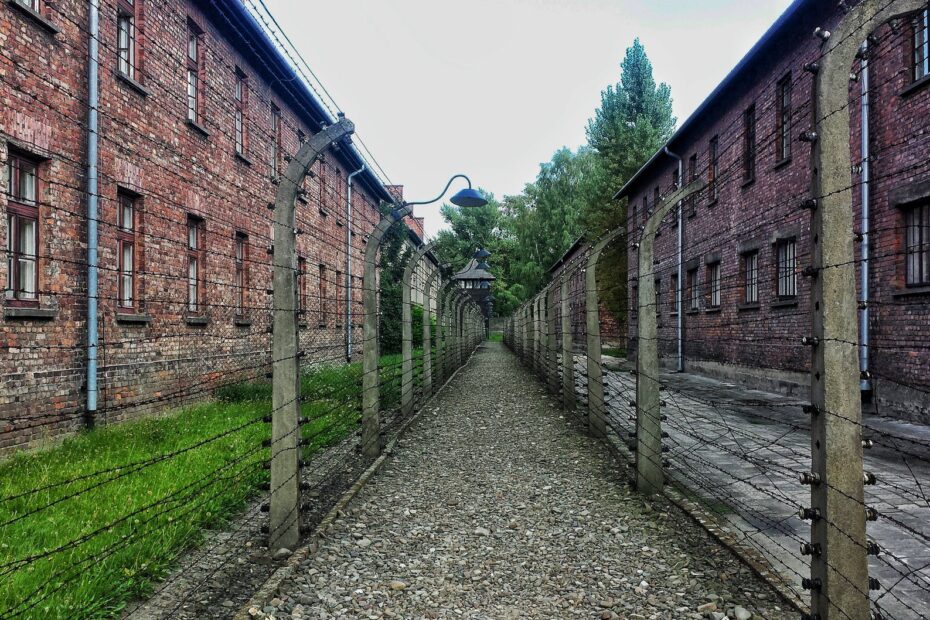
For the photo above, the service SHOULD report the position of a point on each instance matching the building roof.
(253, 42)
(744, 66)
(568, 254)
(471, 272)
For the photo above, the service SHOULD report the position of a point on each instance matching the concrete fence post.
(537, 335)
(597, 413)
(406, 347)
(553, 370)
(649, 477)
(568, 353)
(432, 282)
(543, 335)
(838, 538)
(371, 424)
(284, 507)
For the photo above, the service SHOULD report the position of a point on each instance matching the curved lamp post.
(371, 439)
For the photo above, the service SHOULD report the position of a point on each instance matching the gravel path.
(495, 507)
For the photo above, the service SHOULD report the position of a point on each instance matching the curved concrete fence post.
(371, 424)
(432, 281)
(448, 343)
(543, 335)
(597, 413)
(649, 477)
(539, 354)
(441, 309)
(836, 432)
(568, 353)
(284, 508)
(406, 336)
(552, 366)
(459, 329)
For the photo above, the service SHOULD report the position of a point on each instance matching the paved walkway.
(494, 506)
(741, 450)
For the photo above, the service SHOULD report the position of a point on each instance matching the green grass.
(496, 337)
(110, 513)
(613, 352)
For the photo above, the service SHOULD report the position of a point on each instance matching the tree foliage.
(572, 196)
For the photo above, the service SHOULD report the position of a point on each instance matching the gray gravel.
(495, 506)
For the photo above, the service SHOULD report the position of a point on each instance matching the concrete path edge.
(719, 532)
(268, 589)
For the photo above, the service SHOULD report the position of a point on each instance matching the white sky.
(491, 88)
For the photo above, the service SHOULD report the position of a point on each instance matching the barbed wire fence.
(253, 341)
(827, 504)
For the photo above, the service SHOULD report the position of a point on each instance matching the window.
(30, 4)
(751, 278)
(694, 293)
(917, 252)
(921, 50)
(126, 37)
(194, 53)
(301, 286)
(242, 93)
(645, 214)
(787, 268)
(749, 144)
(22, 280)
(275, 140)
(126, 248)
(783, 120)
(713, 169)
(673, 291)
(195, 252)
(713, 279)
(242, 274)
(321, 292)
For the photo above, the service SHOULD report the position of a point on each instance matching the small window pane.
(192, 281)
(125, 44)
(126, 293)
(192, 95)
(921, 43)
(193, 234)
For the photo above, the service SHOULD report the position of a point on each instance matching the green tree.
(634, 120)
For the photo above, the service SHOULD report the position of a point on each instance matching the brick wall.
(158, 352)
(757, 215)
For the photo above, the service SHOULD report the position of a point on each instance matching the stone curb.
(268, 589)
(756, 562)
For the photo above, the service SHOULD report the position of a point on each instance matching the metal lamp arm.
(443, 193)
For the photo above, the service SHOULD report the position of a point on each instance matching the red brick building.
(198, 112)
(746, 238)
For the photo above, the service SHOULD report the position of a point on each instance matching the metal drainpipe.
(865, 382)
(349, 264)
(681, 282)
(92, 87)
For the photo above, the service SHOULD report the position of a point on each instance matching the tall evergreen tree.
(635, 119)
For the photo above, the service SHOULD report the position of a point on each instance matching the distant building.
(477, 282)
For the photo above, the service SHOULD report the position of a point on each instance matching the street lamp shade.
(469, 197)
(482, 254)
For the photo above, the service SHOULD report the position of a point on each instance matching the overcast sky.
(492, 88)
